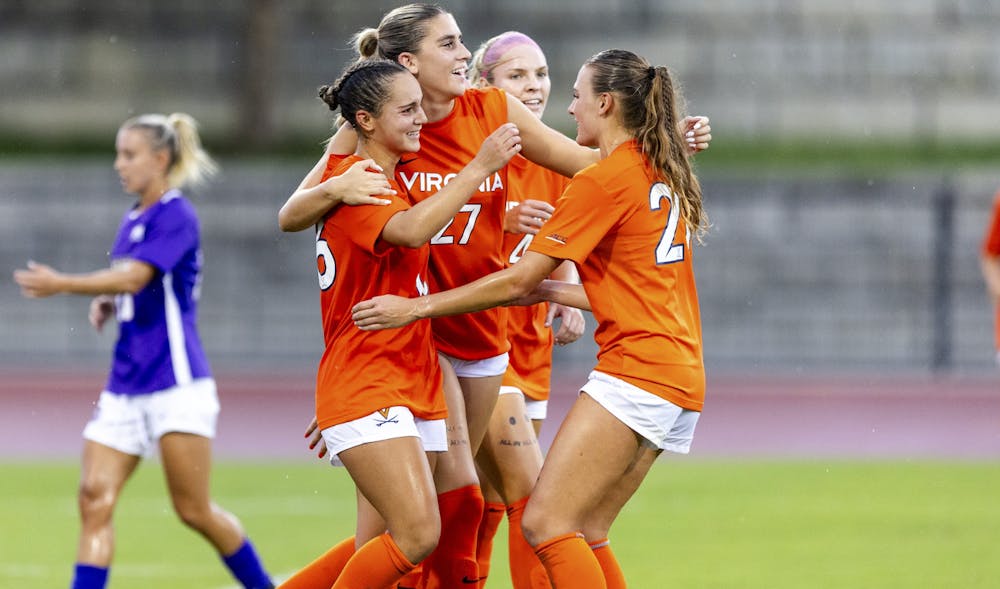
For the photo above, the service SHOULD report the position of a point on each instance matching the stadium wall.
(824, 274)
(248, 69)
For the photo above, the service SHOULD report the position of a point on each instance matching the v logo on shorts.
(386, 418)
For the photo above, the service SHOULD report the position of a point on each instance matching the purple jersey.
(158, 345)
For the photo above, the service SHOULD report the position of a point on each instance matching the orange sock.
(453, 562)
(376, 565)
(570, 563)
(322, 573)
(411, 580)
(613, 575)
(492, 516)
(526, 571)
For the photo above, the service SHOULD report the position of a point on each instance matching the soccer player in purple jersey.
(160, 390)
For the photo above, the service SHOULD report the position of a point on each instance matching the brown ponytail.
(651, 111)
(364, 85)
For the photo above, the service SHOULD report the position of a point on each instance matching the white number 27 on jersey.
(667, 252)
(472, 209)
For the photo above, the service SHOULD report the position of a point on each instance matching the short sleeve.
(991, 241)
(583, 216)
(169, 236)
(363, 224)
(333, 164)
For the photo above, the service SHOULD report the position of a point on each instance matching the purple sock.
(247, 568)
(87, 576)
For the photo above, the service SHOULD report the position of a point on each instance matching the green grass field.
(706, 524)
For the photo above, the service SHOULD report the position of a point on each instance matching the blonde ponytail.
(192, 165)
(189, 164)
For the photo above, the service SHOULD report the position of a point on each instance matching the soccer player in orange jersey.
(990, 262)
(627, 222)
(510, 457)
(427, 41)
(379, 401)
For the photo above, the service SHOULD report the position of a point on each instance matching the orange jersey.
(364, 371)
(634, 254)
(991, 242)
(470, 246)
(530, 367)
(991, 248)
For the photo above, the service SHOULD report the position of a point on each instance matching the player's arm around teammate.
(509, 459)
(368, 426)
(647, 391)
(526, 218)
(160, 391)
(427, 40)
(362, 184)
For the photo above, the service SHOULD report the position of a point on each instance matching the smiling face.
(141, 169)
(524, 74)
(397, 126)
(585, 108)
(441, 60)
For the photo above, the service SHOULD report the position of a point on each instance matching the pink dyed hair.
(490, 52)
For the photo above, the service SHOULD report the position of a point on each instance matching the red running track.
(264, 416)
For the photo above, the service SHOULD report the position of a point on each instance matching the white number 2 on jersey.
(667, 252)
(473, 211)
(326, 266)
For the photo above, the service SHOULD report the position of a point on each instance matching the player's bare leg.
(598, 522)
(103, 473)
(455, 468)
(594, 456)
(460, 501)
(510, 455)
(480, 395)
(395, 477)
(187, 463)
(510, 458)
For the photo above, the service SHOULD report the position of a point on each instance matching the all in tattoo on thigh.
(456, 436)
(509, 441)
(517, 443)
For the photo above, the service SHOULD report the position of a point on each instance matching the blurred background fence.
(848, 185)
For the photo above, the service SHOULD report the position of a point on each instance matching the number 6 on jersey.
(326, 266)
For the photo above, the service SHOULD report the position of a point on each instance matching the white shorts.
(664, 424)
(536, 410)
(494, 366)
(133, 424)
(388, 424)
